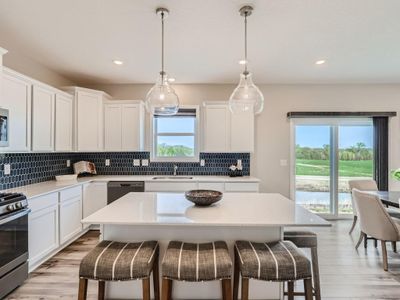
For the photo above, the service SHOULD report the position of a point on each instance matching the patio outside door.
(326, 154)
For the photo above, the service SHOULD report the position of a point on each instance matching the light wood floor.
(345, 273)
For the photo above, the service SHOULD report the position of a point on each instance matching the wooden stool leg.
(360, 240)
(102, 289)
(245, 289)
(308, 289)
(290, 290)
(82, 294)
(394, 246)
(156, 278)
(375, 243)
(354, 224)
(236, 276)
(166, 289)
(226, 289)
(365, 241)
(384, 256)
(146, 288)
(315, 268)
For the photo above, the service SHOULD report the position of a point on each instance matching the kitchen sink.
(171, 177)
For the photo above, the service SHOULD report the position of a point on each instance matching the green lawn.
(348, 168)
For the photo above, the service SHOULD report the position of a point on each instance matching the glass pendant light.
(162, 99)
(246, 96)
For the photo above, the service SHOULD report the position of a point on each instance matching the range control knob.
(10, 207)
(18, 205)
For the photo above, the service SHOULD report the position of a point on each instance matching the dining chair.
(375, 221)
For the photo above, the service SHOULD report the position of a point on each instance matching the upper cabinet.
(16, 97)
(88, 118)
(225, 131)
(63, 122)
(43, 100)
(123, 126)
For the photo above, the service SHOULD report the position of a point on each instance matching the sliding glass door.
(327, 153)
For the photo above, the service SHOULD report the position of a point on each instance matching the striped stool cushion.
(119, 261)
(278, 261)
(197, 262)
(302, 239)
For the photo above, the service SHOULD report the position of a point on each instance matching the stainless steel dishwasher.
(117, 189)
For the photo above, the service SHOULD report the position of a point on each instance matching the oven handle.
(15, 215)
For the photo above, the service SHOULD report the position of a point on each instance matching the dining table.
(389, 198)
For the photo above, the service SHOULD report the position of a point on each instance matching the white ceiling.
(204, 39)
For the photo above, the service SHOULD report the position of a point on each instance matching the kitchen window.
(175, 138)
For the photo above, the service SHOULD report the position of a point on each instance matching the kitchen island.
(169, 216)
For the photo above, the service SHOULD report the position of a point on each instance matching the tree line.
(357, 152)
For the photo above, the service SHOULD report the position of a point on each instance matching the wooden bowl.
(203, 197)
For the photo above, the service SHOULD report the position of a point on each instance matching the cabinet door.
(89, 121)
(216, 186)
(16, 97)
(242, 132)
(132, 127)
(63, 123)
(94, 198)
(70, 218)
(216, 128)
(43, 233)
(112, 127)
(42, 119)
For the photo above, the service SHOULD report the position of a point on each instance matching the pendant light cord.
(245, 45)
(162, 47)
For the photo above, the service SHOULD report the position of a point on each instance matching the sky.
(317, 136)
(180, 125)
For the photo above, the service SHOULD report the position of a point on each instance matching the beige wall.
(272, 126)
(32, 68)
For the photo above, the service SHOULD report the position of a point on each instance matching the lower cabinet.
(94, 198)
(43, 227)
(70, 213)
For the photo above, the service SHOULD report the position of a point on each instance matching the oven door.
(13, 240)
(4, 130)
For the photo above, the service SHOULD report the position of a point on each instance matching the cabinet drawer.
(70, 193)
(170, 186)
(41, 202)
(216, 186)
(241, 187)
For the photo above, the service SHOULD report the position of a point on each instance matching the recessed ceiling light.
(320, 62)
(243, 62)
(118, 62)
(171, 79)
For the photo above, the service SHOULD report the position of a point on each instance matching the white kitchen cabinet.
(43, 228)
(63, 122)
(225, 131)
(123, 126)
(216, 186)
(94, 198)
(158, 186)
(42, 118)
(70, 213)
(88, 118)
(245, 187)
(16, 97)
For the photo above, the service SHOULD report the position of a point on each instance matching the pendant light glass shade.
(246, 96)
(162, 99)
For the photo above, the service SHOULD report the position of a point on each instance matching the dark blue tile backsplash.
(29, 168)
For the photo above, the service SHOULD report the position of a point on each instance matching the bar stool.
(196, 263)
(115, 261)
(278, 261)
(307, 239)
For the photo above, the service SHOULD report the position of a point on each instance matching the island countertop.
(235, 209)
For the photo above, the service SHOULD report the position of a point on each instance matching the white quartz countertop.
(39, 189)
(235, 209)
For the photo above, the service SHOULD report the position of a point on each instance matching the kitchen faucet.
(175, 169)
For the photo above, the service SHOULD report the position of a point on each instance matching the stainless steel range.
(13, 241)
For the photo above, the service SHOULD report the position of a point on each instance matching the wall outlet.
(145, 162)
(283, 162)
(202, 162)
(68, 163)
(107, 162)
(7, 169)
(136, 162)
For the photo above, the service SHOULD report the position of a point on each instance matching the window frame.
(154, 134)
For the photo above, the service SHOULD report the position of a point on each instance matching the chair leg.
(375, 243)
(146, 288)
(156, 278)
(360, 240)
(384, 256)
(365, 241)
(394, 246)
(315, 268)
(353, 225)
(290, 293)
(308, 289)
(226, 289)
(245, 289)
(166, 289)
(101, 290)
(236, 276)
(82, 294)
